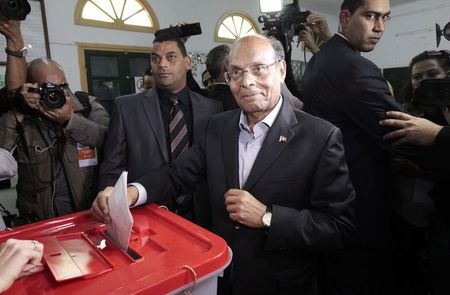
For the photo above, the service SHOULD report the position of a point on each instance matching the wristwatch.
(20, 53)
(267, 217)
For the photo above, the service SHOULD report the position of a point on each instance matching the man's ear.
(344, 19)
(188, 62)
(283, 68)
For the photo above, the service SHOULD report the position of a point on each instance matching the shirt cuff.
(142, 194)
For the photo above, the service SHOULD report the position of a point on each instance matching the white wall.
(410, 31)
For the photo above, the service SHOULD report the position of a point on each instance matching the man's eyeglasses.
(235, 75)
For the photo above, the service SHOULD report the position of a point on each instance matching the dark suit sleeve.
(368, 100)
(115, 149)
(367, 103)
(329, 219)
(177, 177)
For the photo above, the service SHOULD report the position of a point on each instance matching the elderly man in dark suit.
(348, 90)
(279, 187)
(139, 137)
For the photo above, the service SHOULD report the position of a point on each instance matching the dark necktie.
(179, 140)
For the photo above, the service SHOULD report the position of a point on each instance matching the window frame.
(118, 24)
(232, 13)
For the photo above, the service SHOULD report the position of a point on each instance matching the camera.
(181, 31)
(288, 22)
(15, 9)
(52, 95)
(433, 92)
(432, 96)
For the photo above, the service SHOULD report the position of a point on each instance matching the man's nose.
(379, 25)
(247, 79)
(164, 62)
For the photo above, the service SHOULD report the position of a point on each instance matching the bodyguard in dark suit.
(139, 139)
(278, 182)
(348, 90)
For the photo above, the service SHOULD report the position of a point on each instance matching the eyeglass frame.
(252, 70)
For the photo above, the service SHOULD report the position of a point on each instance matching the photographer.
(411, 186)
(56, 134)
(428, 132)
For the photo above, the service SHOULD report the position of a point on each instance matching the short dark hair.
(352, 5)
(171, 37)
(442, 56)
(217, 59)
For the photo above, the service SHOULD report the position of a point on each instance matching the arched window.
(233, 25)
(130, 15)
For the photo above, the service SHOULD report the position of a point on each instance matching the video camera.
(432, 96)
(15, 9)
(52, 95)
(181, 31)
(287, 21)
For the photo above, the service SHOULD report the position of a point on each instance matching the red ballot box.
(167, 255)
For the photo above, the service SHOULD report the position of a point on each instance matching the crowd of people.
(340, 191)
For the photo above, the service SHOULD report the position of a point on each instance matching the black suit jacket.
(349, 91)
(304, 178)
(136, 139)
(222, 93)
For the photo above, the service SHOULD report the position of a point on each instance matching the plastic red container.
(168, 253)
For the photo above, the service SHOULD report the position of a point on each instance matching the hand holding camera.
(319, 26)
(52, 100)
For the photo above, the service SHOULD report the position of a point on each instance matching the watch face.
(266, 219)
(24, 51)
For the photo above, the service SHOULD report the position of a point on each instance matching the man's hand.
(306, 36)
(11, 30)
(100, 208)
(32, 98)
(19, 258)
(244, 208)
(412, 130)
(60, 115)
(319, 26)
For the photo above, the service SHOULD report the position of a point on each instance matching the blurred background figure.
(149, 81)
(207, 80)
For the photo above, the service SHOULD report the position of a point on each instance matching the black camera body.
(434, 92)
(181, 31)
(52, 95)
(432, 96)
(289, 22)
(15, 9)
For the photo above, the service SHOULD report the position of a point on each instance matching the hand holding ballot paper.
(120, 221)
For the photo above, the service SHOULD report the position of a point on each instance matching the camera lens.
(15, 9)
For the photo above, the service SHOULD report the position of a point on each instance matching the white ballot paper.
(119, 229)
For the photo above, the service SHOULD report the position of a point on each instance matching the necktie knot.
(173, 100)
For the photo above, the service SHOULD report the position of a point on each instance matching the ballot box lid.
(166, 252)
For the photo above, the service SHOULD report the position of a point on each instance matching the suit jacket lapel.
(230, 144)
(153, 113)
(278, 137)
